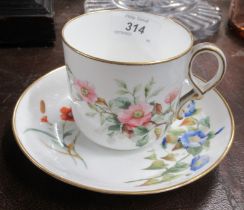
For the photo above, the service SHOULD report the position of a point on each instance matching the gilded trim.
(208, 48)
(38, 165)
(127, 63)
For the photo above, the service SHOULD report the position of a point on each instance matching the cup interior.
(127, 36)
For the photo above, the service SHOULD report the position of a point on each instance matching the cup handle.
(200, 89)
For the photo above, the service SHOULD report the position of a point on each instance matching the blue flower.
(193, 138)
(198, 162)
(164, 142)
(191, 109)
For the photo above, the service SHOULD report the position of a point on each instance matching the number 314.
(135, 27)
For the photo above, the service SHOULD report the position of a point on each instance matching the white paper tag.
(135, 26)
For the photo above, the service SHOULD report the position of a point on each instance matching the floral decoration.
(195, 138)
(86, 91)
(66, 114)
(61, 135)
(198, 162)
(134, 113)
(184, 148)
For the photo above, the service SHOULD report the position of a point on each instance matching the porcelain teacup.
(126, 70)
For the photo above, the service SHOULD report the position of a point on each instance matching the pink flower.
(136, 115)
(87, 92)
(171, 96)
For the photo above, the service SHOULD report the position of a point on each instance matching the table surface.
(23, 186)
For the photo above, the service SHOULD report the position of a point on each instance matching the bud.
(42, 107)
(101, 101)
(157, 132)
(158, 108)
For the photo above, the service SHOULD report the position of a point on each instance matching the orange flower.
(44, 119)
(66, 114)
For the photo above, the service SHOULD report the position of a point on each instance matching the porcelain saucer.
(46, 133)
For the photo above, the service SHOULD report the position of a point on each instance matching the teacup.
(126, 70)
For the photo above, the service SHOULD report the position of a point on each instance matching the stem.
(133, 96)
(183, 158)
(157, 124)
(64, 153)
(104, 110)
(64, 124)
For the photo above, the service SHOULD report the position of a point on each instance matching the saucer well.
(45, 131)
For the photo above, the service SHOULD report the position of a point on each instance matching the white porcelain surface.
(127, 36)
(126, 71)
(85, 164)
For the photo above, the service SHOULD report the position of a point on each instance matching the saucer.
(46, 133)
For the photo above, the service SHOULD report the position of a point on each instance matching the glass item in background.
(236, 21)
(199, 16)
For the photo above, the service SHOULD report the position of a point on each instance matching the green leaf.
(148, 87)
(150, 182)
(91, 114)
(121, 102)
(178, 167)
(68, 133)
(156, 164)
(198, 110)
(114, 127)
(207, 143)
(140, 131)
(156, 92)
(112, 119)
(92, 106)
(102, 119)
(136, 100)
(122, 92)
(176, 132)
(110, 103)
(166, 111)
(210, 135)
(191, 128)
(151, 157)
(99, 108)
(142, 141)
(205, 122)
(158, 118)
(170, 139)
(121, 84)
(169, 177)
(177, 146)
(111, 134)
(189, 121)
(194, 150)
(169, 157)
(136, 89)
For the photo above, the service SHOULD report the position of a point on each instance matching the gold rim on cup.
(127, 63)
